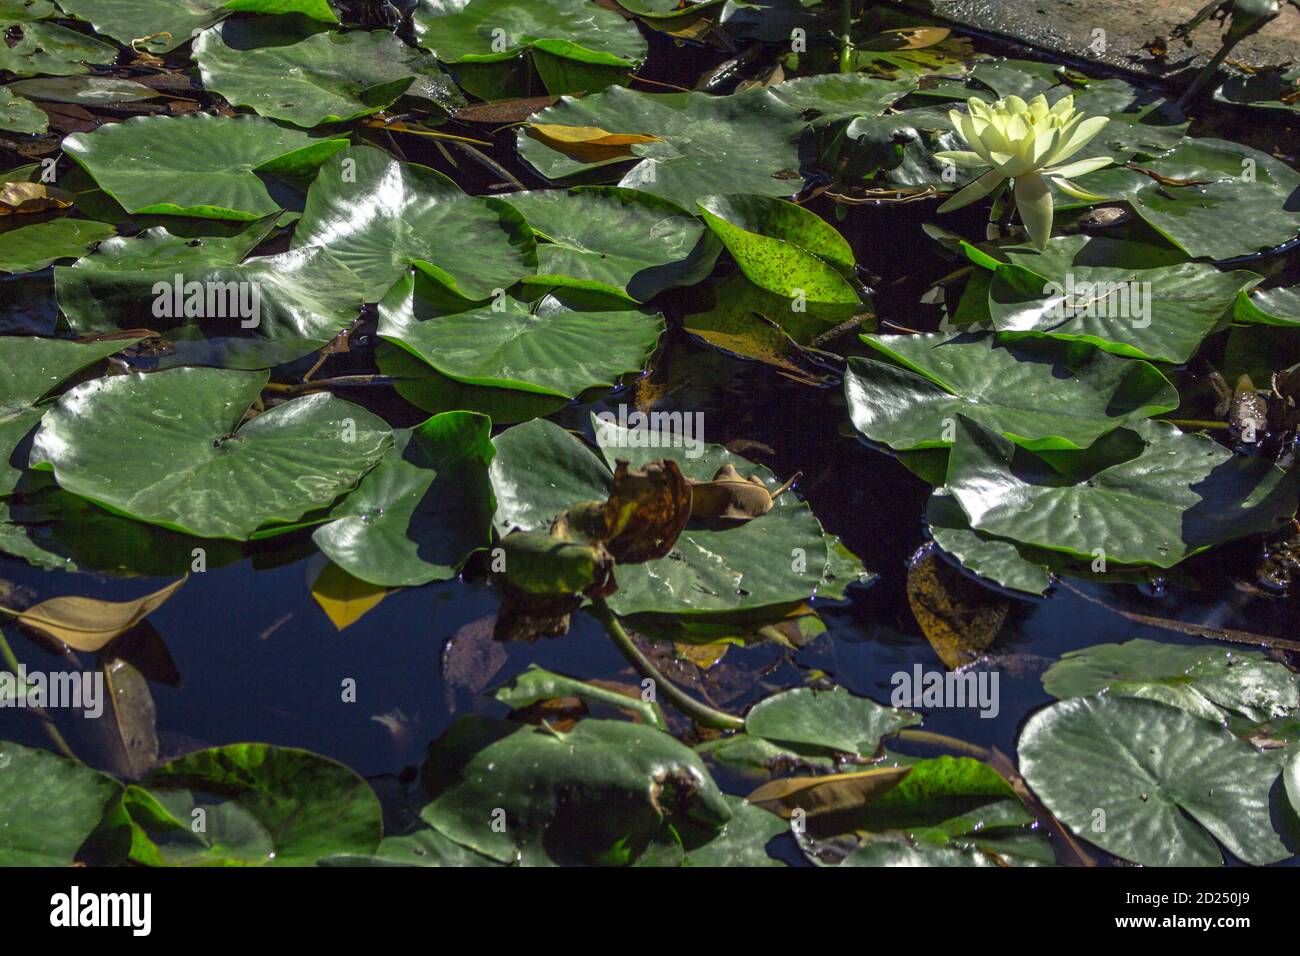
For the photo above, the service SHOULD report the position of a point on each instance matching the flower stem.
(846, 36)
(702, 714)
(51, 731)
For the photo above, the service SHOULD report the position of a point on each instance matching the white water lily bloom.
(1029, 144)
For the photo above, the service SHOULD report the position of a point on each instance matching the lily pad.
(159, 25)
(424, 508)
(784, 248)
(1040, 395)
(1148, 494)
(540, 345)
(86, 90)
(308, 78)
(194, 468)
(619, 241)
(21, 115)
(50, 805)
(742, 840)
(36, 48)
(600, 793)
(829, 720)
(380, 217)
(486, 31)
(208, 167)
(31, 248)
(1280, 306)
(1115, 295)
(1161, 778)
(321, 10)
(262, 806)
(703, 145)
(535, 685)
(996, 559)
(1204, 681)
(1237, 200)
(30, 369)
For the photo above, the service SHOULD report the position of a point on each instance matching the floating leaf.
(536, 684)
(1279, 306)
(993, 558)
(89, 624)
(86, 90)
(1146, 495)
(380, 217)
(1204, 681)
(159, 26)
(31, 248)
(424, 508)
(822, 721)
(35, 48)
(210, 476)
(1159, 774)
(960, 620)
(23, 198)
(19, 115)
(50, 805)
(730, 496)
(566, 798)
(832, 793)
(306, 77)
(198, 165)
(345, 599)
(1040, 395)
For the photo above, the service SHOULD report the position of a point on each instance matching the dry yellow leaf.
(589, 144)
(89, 624)
(958, 617)
(23, 198)
(345, 599)
(702, 656)
(828, 794)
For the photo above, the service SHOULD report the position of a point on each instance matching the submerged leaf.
(345, 599)
(89, 624)
(833, 793)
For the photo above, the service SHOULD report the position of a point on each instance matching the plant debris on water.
(655, 432)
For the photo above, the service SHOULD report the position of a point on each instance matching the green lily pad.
(428, 389)
(1273, 89)
(536, 684)
(1246, 204)
(31, 248)
(1204, 681)
(1040, 395)
(829, 720)
(86, 90)
(21, 115)
(193, 467)
(216, 310)
(1160, 777)
(321, 10)
(425, 847)
(996, 559)
(1148, 494)
(1103, 291)
(380, 217)
(207, 167)
(167, 23)
(30, 369)
(486, 31)
(600, 793)
(707, 145)
(835, 97)
(540, 345)
(35, 48)
(540, 470)
(1280, 306)
(743, 839)
(784, 248)
(424, 508)
(262, 806)
(665, 9)
(49, 804)
(307, 78)
(619, 241)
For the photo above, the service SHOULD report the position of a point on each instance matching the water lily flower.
(1027, 143)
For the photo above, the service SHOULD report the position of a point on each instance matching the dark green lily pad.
(536, 684)
(85, 90)
(1040, 395)
(20, 115)
(1205, 681)
(997, 559)
(1280, 306)
(208, 167)
(380, 217)
(1148, 494)
(743, 839)
(49, 805)
(424, 508)
(1141, 780)
(193, 467)
(830, 720)
(541, 345)
(598, 794)
(31, 248)
(307, 78)
(166, 23)
(619, 241)
(36, 48)
(262, 806)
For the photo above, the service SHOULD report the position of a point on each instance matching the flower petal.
(974, 191)
(1080, 138)
(1034, 202)
(1080, 167)
(963, 158)
(1070, 189)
